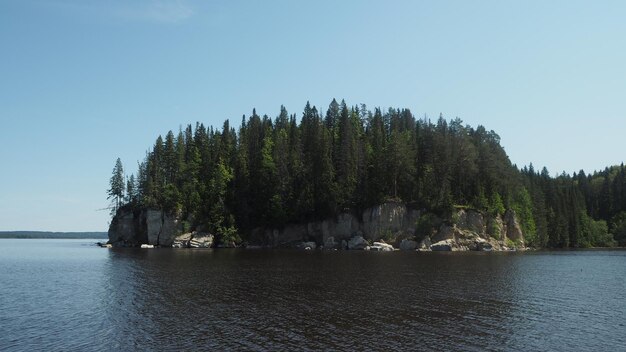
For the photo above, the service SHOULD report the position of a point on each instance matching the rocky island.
(351, 178)
(385, 227)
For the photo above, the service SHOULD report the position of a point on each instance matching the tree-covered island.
(287, 175)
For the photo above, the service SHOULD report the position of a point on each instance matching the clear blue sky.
(84, 82)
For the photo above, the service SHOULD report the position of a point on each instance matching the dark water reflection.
(163, 299)
(269, 300)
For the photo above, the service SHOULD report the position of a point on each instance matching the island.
(352, 178)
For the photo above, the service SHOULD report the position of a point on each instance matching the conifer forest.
(293, 168)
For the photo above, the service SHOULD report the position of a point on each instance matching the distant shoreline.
(52, 235)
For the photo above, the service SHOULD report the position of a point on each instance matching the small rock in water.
(357, 242)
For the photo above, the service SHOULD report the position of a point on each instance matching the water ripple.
(171, 300)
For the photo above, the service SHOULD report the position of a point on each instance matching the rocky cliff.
(473, 230)
(388, 220)
(146, 226)
(391, 222)
(395, 223)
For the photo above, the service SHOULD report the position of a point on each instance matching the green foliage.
(510, 243)
(426, 224)
(116, 192)
(228, 235)
(523, 207)
(456, 217)
(493, 229)
(297, 168)
(618, 228)
(480, 201)
(496, 206)
(388, 236)
(594, 233)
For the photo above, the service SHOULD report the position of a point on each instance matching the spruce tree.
(116, 192)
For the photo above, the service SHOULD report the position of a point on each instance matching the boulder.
(443, 246)
(193, 240)
(182, 241)
(408, 245)
(381, 247)
(357, 243)
(201, 240)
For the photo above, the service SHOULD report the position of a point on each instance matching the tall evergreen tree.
(116, 192)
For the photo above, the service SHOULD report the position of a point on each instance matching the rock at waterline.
(306, 245)
(193, 240)
(330, 243)
(408, 245)
(201, 241)
(357, 243)
(381, 247)
(443, 246)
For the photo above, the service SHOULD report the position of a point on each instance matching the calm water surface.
(65, 295)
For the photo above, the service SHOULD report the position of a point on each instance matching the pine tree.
(116, 192)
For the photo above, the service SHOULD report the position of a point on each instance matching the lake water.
(69, 295)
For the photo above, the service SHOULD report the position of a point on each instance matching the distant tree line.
(273, 171)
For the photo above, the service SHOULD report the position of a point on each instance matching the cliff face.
(393, 222)
(473, 230)
(387, 220)
(147, 226)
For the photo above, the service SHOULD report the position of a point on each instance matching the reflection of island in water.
(237, 299)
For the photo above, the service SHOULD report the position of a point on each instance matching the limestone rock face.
(330, 243)
(395, 222)
(123, 230)
(408, 245)
(446, 232)
(475, 221)
(161, 228)
(154, 222)
(388, 218)
(513, 228)
(148, 226)
(289, 235)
